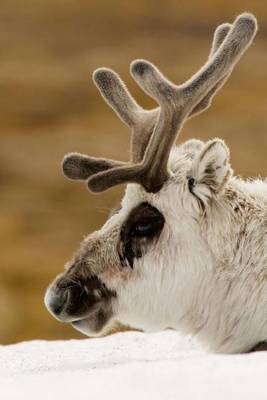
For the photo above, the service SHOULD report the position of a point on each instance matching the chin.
(83, 326)
(94, 326)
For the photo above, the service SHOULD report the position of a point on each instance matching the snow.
(129, 365)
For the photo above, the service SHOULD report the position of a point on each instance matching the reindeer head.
(142, 267)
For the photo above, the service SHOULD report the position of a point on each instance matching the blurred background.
(49, 106)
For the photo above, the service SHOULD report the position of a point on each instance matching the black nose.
(55, 301)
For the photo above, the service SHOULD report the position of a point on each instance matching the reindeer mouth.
(95, 323)
(86, 305)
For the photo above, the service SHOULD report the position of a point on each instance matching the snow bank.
(128, 366)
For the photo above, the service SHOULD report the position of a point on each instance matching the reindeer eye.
(143, 229)
(143, 224)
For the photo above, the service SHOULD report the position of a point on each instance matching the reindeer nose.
(55, 301)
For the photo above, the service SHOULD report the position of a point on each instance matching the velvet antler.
(142, 122)
(154, 131)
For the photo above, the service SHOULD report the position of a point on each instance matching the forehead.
(180, 163)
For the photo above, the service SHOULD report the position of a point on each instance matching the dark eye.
(143, 225)
(144, 229)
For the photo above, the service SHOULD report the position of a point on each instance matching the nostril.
(55, 301)
(56, 308)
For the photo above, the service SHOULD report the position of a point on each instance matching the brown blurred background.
(49, 106)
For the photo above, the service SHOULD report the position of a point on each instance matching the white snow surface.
(129, 365)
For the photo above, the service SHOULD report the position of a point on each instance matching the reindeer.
(187, 249)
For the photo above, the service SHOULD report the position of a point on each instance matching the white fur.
(207, 274)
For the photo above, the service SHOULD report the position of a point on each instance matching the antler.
(154, 131)
(142, 122)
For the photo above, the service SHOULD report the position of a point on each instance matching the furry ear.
(211, 168)
(191, 147)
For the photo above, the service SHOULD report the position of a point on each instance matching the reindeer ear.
(211, 167)
(191, 147)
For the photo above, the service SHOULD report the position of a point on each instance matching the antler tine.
(116, 94)
(78, 166)
(176, 103)
(219, 36)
